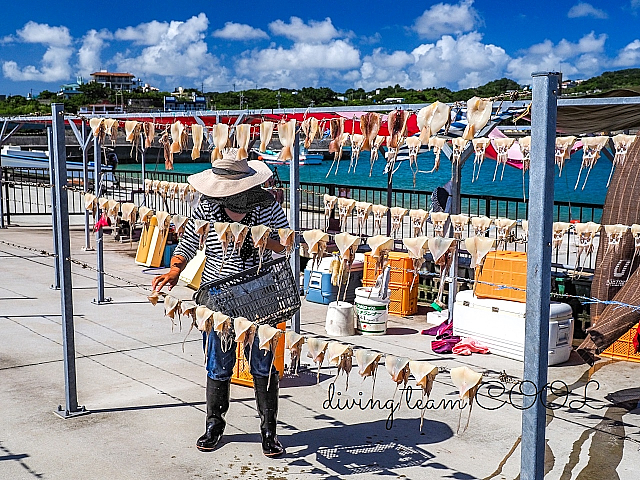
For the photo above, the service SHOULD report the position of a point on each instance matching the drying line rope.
(582, 298)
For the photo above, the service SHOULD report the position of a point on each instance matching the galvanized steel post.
(536, 343)
(64, 259)
(85, 180)
(2, 224)
(97, 182)
(294, 218)
(54, 208)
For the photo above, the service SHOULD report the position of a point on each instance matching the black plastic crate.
(269, 296)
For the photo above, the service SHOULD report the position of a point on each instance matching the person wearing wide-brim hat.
(231, 192)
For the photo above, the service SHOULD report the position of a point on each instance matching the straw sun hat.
(230, 175)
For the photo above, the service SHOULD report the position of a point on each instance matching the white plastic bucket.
(372, 313)
(339, 321)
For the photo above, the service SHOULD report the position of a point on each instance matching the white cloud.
(240, 31)
(54, 65)
(585, 57)
(179, 49)
(582, 9)
(460, 62)
(301, 65)
(89, 54)
(313, 32)
(445, 18)
(381, 69)
(629, 56)
(144, 34)
(42, 33)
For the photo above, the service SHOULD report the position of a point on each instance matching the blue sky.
(338, 44)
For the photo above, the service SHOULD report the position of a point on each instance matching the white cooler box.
(499, 324)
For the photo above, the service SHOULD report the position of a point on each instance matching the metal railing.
(26, 194)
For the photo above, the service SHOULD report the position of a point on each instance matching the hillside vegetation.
(262, 98)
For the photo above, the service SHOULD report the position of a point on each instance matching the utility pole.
(241, 99)
(278, 97)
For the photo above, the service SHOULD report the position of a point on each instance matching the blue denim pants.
(220, 364)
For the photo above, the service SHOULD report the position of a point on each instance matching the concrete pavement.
(146, 396)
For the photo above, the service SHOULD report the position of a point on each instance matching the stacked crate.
(503, 269)
(403, 295)
(622, 349)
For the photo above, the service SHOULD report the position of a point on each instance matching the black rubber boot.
(217, 406)
(267, 401)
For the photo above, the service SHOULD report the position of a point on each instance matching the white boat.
(37, 159)
(272, 158)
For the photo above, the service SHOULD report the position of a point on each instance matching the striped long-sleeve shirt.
(272, 216)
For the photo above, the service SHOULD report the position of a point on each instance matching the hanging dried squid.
(368, 361)
(268, 337)
(310, 129)
(293, 342)
(437, 143)
(266, 132)
(329, 203)
(345, 207)
(260, 235)
(239, 233)
(397, 214)
(478, 115)
(438, 219)
(502, 146)
(286, 133)
(431, 119)
(380, 245)
(197, 135)
(467, 382)
(287, 240)
(479, 148)
(425, 375)
(363, 209)
(480, 225)
(317, 243)
(416, 249)
(563, 150)
(398, 368)
(347, 245)
(341, 356)
(621, 144)
(316, 352)
(459, 223)
(243, 135)
(591, 147)
(378, 211)
(220, 139)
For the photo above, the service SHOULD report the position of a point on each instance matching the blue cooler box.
(317, 282)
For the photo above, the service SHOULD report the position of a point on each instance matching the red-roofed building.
(116, 81)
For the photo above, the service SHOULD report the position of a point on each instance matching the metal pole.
(2, 224)
(54, 208)
(97, 181)
(85, 181)
(389, 197)
(143, 170)
(64, 255)
(456, 169)
(294, 217)
(536, 342)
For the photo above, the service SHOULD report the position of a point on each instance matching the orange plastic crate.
(400, 264)
(402, 301)
(504, 268)
(241, 371)
(622, 349)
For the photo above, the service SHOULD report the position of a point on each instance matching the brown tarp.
(610, 282)
(603, 118)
